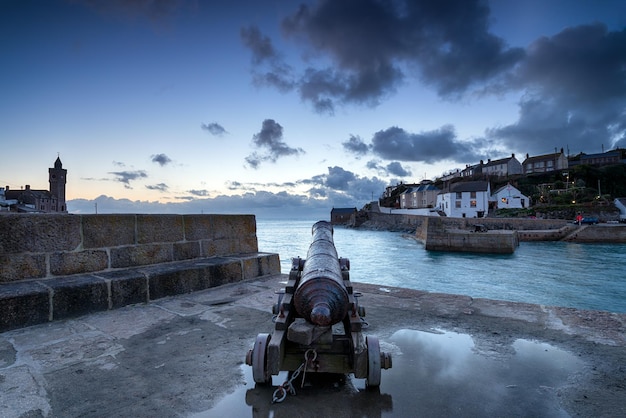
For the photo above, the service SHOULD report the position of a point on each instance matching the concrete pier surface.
(183, 356)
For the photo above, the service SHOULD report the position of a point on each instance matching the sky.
(281, 108)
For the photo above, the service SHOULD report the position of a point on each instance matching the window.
(472, 203)
(459, 195)
(472, 195)
(457, 204)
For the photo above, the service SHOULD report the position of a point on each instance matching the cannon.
(318, 321)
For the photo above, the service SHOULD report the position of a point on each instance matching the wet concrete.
(452, 356)
(435, 374)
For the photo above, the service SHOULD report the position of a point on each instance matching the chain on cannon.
(317, 313)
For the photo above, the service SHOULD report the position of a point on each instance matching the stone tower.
(57, 177)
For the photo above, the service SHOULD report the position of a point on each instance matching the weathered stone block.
(198, 227)
(38, 232)
(66, 263)
(225, 270)
(176, 279)
(248, 244)
(14, 267)
(259, 264)
(159, 228)
(23, 304)
(127, 287)
(229, 226)
(201, 227)
(78, 295)
(141, 255)
(219, 247)
(186, 250)
(108, 230)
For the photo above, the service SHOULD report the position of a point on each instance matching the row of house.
(471, 199)
(537, 164)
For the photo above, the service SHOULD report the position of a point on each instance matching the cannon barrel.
(321, 297)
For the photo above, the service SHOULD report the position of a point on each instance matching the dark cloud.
(429, 146)
(161, 187)
(396, 169)
(214, 129)
(127, 176)
(575, 93)
(161, 159)
(374, 46)
(355, 146)
(278, 73)
(270, 139)
(199, 193)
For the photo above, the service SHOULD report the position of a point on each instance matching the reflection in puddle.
(447, 374)
(434, 374)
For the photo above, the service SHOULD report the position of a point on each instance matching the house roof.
(469, 186)
(343, 210)
(505, 187)
(500, 161)
(545, 157)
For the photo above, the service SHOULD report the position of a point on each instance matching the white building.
(467, 199)
(509, 197)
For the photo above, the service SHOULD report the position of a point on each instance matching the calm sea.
(585, 276)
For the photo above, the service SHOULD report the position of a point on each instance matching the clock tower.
(57, 177)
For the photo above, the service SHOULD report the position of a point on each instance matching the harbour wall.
(436, 236)
(55, 266)
(527, 229)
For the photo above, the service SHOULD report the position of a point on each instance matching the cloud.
(161, 187)
(428, 146)
(161, 159)
(199, 193)
(575, 87)
(396, 169)
(127, 176)
(214, 129)
(278, 73)
(373, 48)
(355, 146)
(270, 139)
(335, 188)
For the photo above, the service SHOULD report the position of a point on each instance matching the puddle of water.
(435, 374)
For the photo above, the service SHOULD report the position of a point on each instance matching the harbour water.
(583, 276)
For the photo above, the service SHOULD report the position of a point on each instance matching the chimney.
(28, 187)
(513, 155)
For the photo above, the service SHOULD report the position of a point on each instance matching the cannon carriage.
(318, 321)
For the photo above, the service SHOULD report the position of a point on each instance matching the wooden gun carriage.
(318, 321)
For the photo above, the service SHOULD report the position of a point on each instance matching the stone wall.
(42, 246)
(54, 266)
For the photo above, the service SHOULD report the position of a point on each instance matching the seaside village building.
(466, 199)
(31, 200)
(545, 163)
(509, 197)
(420, 196)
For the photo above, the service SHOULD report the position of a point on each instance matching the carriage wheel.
(373, 361)
(260, 372)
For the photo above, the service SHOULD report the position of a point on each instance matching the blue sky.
(287, 107)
